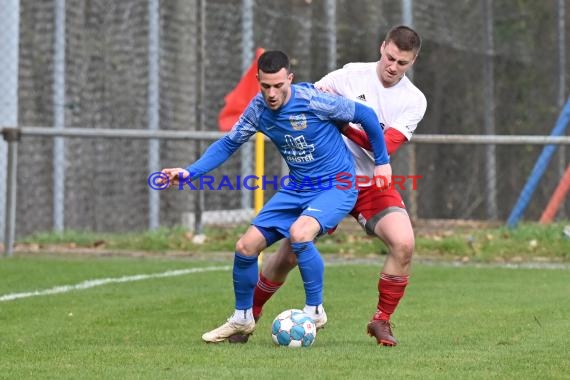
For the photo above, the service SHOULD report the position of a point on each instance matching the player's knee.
(244, 248)
(403, 251)
(305, 229)
(297, 234)
(287, 263)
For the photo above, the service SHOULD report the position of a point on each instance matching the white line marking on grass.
(104, 281)
(180, 272)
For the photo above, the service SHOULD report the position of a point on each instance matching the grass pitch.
(454, 323)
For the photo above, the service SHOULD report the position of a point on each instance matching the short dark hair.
(405, 38)
(272, 61)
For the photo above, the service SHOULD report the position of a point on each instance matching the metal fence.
(457, 200)
(486, 67)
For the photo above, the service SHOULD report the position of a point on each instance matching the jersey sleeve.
(330, 81)
(214, 156)
(394, 139)
(222, 149)
(408, 121)
(366, 117)
(340, 109)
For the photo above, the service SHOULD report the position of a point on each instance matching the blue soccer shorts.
(328, 207)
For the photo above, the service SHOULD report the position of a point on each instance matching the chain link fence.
(8, 88)
(486, 67)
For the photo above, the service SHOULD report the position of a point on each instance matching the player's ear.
(290, 77)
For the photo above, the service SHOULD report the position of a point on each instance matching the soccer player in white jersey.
(302, 123)
(399, 106)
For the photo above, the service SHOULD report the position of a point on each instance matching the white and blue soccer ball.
(293, 328)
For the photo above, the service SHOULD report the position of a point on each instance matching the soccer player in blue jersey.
(302, 123)
(400, 106)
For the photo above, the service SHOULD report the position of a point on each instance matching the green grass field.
(454, 323)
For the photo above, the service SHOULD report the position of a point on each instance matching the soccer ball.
(293, 328)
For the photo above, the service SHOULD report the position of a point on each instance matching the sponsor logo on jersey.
(296, 149)
(361, 97)
(298, 122)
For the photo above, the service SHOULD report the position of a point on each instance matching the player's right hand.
(174, 175)
(383, 176)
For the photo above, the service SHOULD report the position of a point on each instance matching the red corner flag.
(238, 99)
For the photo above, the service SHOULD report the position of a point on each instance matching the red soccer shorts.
(372, 204)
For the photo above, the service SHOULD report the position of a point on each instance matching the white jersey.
(401, 106)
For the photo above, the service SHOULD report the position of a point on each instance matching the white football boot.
(231, 327)
(317, 313)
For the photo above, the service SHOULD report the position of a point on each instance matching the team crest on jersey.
(298, 122)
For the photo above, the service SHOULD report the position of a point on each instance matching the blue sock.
(245, 278)
(312, 270)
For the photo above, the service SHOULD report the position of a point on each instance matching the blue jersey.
(305, 132)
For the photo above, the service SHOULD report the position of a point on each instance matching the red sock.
(263, 291)
(391, 289)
